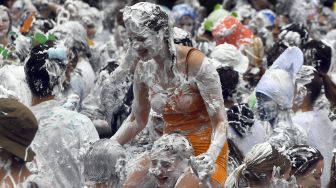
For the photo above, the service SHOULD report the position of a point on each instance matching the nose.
(156, 171)
(136, 45)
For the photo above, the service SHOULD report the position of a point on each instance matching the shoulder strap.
(186, 61)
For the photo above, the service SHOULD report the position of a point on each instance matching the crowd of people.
(131, 93)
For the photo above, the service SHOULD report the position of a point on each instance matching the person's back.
(63, 135)
(320, 134)
(60, 143)
(319, 128)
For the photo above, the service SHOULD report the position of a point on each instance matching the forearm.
(218, 139)
(128, 130)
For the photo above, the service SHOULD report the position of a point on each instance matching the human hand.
(203, 166)
(131, 59)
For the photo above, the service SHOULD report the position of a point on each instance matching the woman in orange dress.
(181, 84)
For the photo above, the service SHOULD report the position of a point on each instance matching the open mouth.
(142, 52)
(162, 180)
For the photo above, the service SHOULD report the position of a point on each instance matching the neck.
(306, 107)
(283, 116)
(164, 55)
(38, 100)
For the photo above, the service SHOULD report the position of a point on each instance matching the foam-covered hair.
(278, 82)
(173, 145)
(258, 162)
(182, 37)
(44, 69)
(147, 15)
(102, 159)
(303, 158)
(74, 36)
(181, 10)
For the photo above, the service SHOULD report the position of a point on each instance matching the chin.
(145, 58)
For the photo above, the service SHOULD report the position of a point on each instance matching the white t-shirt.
(60, 144)
(321, 135)
(257, 135)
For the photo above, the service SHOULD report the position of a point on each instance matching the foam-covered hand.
(203, 166)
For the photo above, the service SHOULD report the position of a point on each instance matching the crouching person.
(104, 164)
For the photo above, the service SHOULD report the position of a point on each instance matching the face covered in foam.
(169, 157)
(145, 42)
(146, 27)
(267, 108)
(165, 169)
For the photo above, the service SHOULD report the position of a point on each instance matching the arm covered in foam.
(138, 118)
(208, 83)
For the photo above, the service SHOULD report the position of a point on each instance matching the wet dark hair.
(314, 87)
(229, 79)
(274, 52)
(37, 76)
(240, 118)
(303, 159)
(258, 166)
(256, 173)
(159, 21)
(318, 55)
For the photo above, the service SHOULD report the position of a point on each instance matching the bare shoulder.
(194, 59)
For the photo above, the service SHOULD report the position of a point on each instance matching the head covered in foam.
(147, 16)
(303, 158)
(169, 158)
(258, 165)
(150, 20)
(182, 37)
(45, 69)
(173, 145)
(73, 35)
(103, 161)
(278, 82)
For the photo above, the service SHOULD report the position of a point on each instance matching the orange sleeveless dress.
(182, 115)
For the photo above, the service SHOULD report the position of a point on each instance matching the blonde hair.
(257, 164)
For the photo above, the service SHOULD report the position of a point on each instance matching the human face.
(144, 41)
(4, 23)
(267, 108)
(312, 179)
(165, 170)
(186, 23)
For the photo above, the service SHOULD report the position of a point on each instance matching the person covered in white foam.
(275, 95)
